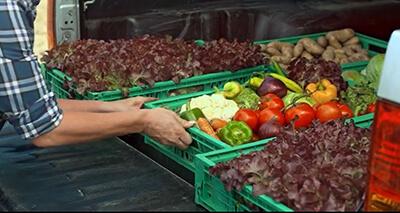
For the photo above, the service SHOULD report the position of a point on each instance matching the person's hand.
(167, 128)
(130, 103)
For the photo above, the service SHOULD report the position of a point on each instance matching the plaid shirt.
(24, 99)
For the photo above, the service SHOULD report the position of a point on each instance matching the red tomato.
(270, 114)
(271, 101)
(371, 108)
(328, 111)
(302, 115)
(248, 116)
(345, 110)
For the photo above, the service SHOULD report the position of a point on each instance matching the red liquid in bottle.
(384, 167)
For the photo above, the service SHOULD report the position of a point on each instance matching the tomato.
(302, 115)
(345, 110)
(371, 108)
(248, 116)
(328, 111)
(270, 114)
(271, 101)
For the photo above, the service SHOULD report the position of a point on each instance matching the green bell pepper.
(235, 133)
(192, 114)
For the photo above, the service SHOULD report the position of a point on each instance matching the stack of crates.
(206, 151)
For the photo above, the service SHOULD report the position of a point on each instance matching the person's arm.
(101, 106)
(77, 127)
(34, 111)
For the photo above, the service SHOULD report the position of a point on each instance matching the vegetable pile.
(96, 65)
(361, 95)
(322, 168)
(269, 101)
(339, 46)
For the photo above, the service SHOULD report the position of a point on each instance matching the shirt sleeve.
(24, 97)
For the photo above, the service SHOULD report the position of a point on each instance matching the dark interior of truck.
(124, 173)
(236, 19)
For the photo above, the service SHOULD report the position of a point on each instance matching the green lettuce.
(374, 69)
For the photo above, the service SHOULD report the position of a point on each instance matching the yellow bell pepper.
(323, 91)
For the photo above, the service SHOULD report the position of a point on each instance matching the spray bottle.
(383, 193)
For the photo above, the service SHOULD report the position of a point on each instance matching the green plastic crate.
(56, 79)
(211, 193)
(373, 45)
(201, 141)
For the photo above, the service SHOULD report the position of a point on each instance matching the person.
(35, 113)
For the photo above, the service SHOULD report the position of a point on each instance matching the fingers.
(186, 138)
(146, 99)
(170, 129)
(186, 124)
(179, 142)
(139, 101)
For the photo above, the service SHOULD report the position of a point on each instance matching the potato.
(334, 42)
(311, 46)
(307, 55)
(263, 47)
(280, 49)
(330, 48)
(287, 51)
(354, 40)
(344, 61)
(322, 41)
(358, 57)
(339, 51)
(355, 47)
(349, 51)
(298, 49)
(281, 59)
(278, 45)
(328, 55)
(272, 51)
(341, 35)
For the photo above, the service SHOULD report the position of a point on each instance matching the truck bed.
(98, 176)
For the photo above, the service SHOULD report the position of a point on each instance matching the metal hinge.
(67, 21)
